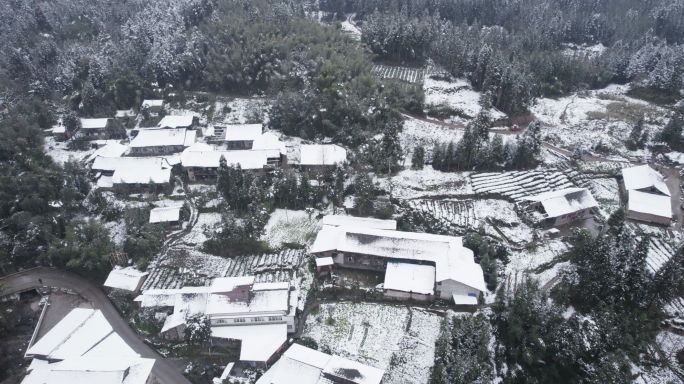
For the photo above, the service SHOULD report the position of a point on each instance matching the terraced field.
(411, 75)
(517, 185)
(267, 268)
(459, 214)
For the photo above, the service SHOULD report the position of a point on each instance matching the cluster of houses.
(647, 195)
(84, 348)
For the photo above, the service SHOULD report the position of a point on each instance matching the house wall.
(560, 220)
(446, 288)
(318, 169)
(648, 217)
(211, 173)
(240, 144)
(253, 319)
(407, 295)
(94, 133)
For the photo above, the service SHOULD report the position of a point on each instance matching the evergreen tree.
(391, 154)
(365, 191)
(672, 131)
(418, 158)
(197, 329)
(636, 136)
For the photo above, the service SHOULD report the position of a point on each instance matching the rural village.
(209, 237)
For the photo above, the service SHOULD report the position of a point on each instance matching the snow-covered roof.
(302, 365)
(254, 159)
(228, 284)
(452, 260)
(649, 203)
(165, 214)
(109, 150)
(274, 301)
(125, 113)
(322, 154)
(269, 141)
(352, 372)
(105, 182)
(94, 123)
(70, 323)
(124, 278)
(271, 286)
(464, 299)
(164, 137)
(122, 370)
(141, 176)
(642, 177)
(323, 261)
(175, 122)
(187, 303)
(242, 132)
(102, 163)
(410, 278)
(92, 331)
(564, 201)
(112, 345)
(365, 222)
(152, 103)
(199, 147)
(259, 342)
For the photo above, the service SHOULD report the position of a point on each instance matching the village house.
(303, 365)
(170, 215)
(257, 315)
(201, 163)
(561, 207)
(83, 348)
(321, 158)
(175, 122)
(153, 106)
(151, 142)
(111, 172)
(239, 136)
(127, 280)
(412, 262)
(94, 129)
(648, 197)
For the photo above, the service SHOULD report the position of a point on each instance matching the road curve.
(91, 292)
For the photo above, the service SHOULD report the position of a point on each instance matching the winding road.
(90, 291)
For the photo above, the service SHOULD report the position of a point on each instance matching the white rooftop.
(94, 123)
(269, 141)
(259, 342)
(133, 175)
(199, 147)
(242, 132)
(273, 301)
(323, 261)
(410, 278)
(228, 284)
(112, 345)
(87, 370)
(68, 325)
(649, 203)
(464, 299)
(152, 103)
(353, 372)
(125, 113)
(92, 331)
(642, 177)
(322, 154)
(175, 122)
(254, 159)
(109, 150)
(102, 163)
(564, 201)
(164, 137)
(165, 214)
(365, 222)
(124, 278)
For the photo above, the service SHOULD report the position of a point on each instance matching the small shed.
(563, 206)
(649, 207)
(324, 265)
(128, 280)
(169, 215)
(320, 158)
(152, 105)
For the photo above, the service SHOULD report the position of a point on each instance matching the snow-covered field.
(409, 184)
(287, 226)
(377, 335)
(457, 94)
(528, 260)
(517, 185)
(206, 224)
(411, 75)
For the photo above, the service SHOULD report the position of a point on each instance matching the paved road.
(90, 291)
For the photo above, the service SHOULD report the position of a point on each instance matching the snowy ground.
(207, 223)
(287, 226)
(529, 261)
(410, 184)
(59, 152)
(377, 335)
(457, 94)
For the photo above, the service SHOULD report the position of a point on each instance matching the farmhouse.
(127, 280)
(649, 207)
(203, 164)
(563, 206)
(169, 215)
(457, 276)
(83, 348)
(108, 150)
(153, 106)
(162, 141)
(94, 129)
(174, 122)
(303, 365)
(321, 158)
(61, 132)
(257, 315)
(644, 179)
(269, 141)
(115, 171)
